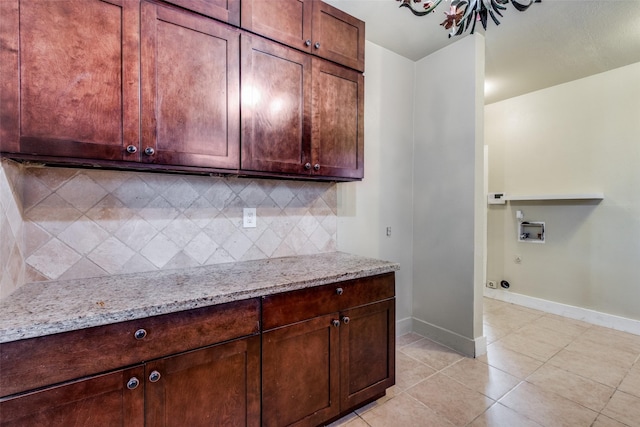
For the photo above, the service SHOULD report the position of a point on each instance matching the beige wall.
(449, 210)
(582, 136)
(85, 223)
(385, 197)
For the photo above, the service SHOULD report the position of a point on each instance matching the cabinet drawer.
(102, 400)
(290, 307)
(36, 362)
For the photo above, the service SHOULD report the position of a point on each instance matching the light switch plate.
(249, 219)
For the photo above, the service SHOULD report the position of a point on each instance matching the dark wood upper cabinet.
(309, 25)
(337, 121)
(309, 120)
(70, 77)
(337, 36)
(190, 89)
(143, 84)
(276, 112)
(286, 21)
(222, 10)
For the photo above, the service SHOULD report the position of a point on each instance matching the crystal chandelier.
(463, 14)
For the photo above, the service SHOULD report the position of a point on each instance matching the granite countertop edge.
(45, 308)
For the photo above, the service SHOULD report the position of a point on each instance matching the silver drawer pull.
(140, 334)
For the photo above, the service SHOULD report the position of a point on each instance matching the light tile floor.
(540, 370)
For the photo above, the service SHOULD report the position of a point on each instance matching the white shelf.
(571, 196)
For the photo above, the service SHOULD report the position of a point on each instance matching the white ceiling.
(552, 42)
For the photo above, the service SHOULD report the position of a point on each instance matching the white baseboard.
(404, 326)
(586, 315)
(481, 346)
(468, 347)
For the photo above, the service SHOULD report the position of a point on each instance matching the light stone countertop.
(44, 308)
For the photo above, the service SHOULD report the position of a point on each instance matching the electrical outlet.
(249, 219)
(492, 284)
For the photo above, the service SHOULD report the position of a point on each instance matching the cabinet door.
(286, 21)
(337, 121)
(214, 386)
(223, 10)
(338, 36)
(367, 352)
(276, 107)
(300, 371)
(103, 400)
(70, 78)
(190, 89)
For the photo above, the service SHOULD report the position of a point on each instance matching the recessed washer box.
(530, 231)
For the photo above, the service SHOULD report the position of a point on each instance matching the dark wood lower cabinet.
(322, 352)
(300, 373)
(103, 400)
(316, 369)
(367, 352)
(214, 386)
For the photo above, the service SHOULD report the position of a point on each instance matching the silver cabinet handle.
(307, 42)
(131, 149)
(316, 167)
(346, 320)
(307, 166)
(317, 45)
(149, 151)
(133, 383)
(339, 291)
(335, 323)
(154, 376)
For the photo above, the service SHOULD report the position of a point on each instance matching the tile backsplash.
(84, 223)
(12, 255)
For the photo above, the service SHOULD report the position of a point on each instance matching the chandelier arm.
(493, 17)
(521, 7)
(469, 9)
(472, 19)
(483, 17)
(407, 4)
(497, 6)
